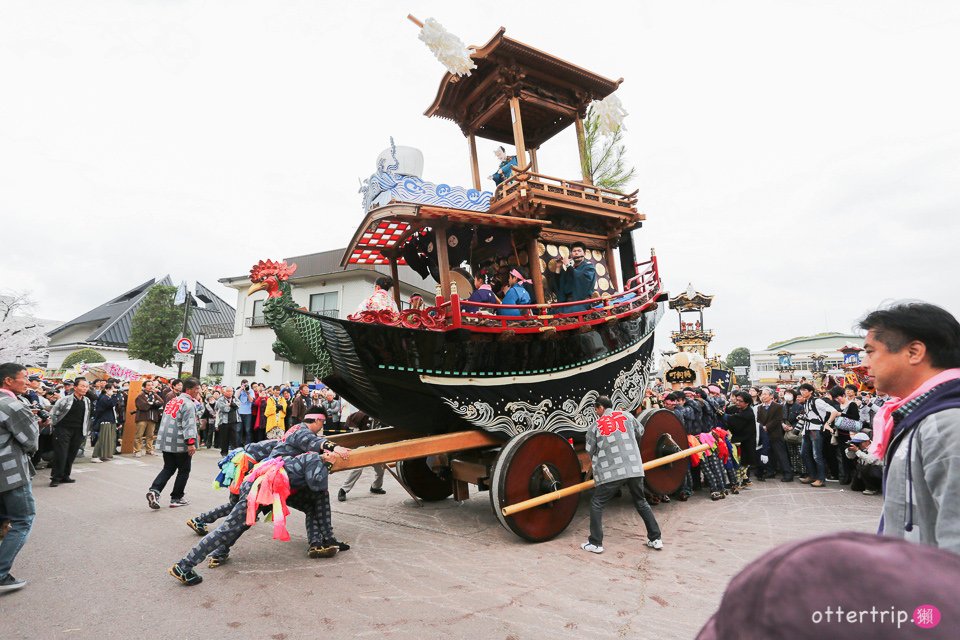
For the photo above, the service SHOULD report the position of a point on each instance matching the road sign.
(184, 345)
(740, 371)
(180, 357)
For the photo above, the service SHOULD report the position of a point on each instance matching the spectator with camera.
(228, 419)
(817, 414)
(867, 474)
(18, 440)
(245, 398)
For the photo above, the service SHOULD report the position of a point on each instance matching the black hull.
(435, 382)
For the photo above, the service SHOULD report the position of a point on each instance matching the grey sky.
(799, 160)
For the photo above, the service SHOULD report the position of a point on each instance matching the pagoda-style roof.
(690, 300)
(552, 92)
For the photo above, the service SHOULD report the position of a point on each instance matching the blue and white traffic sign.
(184, 345)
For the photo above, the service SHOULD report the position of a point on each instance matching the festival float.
(493, 395)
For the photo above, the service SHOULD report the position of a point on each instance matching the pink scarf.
(883, 421)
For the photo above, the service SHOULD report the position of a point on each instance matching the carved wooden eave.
(552, 92)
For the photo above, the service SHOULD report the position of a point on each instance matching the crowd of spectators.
(791, 432)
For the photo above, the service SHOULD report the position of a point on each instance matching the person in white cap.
(868, 475)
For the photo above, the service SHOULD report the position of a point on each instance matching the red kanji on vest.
(608, 424)
(173, 407)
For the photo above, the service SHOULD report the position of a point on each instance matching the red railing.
(640, 293)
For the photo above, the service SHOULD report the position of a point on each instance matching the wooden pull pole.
(589, 484)
(414, 20)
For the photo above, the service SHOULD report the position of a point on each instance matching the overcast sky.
(800, 160)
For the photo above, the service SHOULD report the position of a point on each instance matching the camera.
(41, 414)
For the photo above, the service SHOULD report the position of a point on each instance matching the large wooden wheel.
(426, 478)
(663, 434)
(529, 465)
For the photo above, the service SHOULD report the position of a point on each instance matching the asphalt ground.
(97, 559)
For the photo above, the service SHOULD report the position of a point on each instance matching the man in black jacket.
(743, 430)
(770, 419)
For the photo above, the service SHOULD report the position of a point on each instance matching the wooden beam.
(533, 264)
(612, 265)
(521, 148)
(417, 448)
(371, 437)
(472, 472)
(130, 420)
(533, 161)
(582, 146)
(474, 162)
(443, 259)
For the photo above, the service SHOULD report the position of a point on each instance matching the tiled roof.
(115, 318)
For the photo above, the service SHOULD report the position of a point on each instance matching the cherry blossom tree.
(22, 337)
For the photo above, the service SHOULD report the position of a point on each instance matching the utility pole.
(183, 331)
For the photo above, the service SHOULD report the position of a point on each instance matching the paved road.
(97, 559)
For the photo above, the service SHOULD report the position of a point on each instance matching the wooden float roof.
(385, 230)
(552, 92)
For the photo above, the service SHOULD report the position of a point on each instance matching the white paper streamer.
(448, 48)
(610, 114)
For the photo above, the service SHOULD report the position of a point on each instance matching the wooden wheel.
(428, 480)
(663, 434)
(529, 465)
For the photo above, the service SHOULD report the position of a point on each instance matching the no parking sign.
(184, 345)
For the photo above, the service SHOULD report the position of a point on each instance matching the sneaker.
(216, 561)
(189, 577)
(592, 548)
(322, 551)
(342, 546)
(138, 454)
(379, 492)
(11, 584)
(342, 495)
(869, 492)
(178, 502)
(153, 499)
(96, 460)
(655, 544)
(200, 528)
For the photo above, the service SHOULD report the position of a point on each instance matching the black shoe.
(216, 561)
(323, 551)
(66, 481)
(790, 479)
(189, 578)
(342, 495)
(379, 492)
(54, 483)
(342, 546)
(153, 499)
(200, 528)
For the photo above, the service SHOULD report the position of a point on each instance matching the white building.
(763, 363)
(319, 284)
